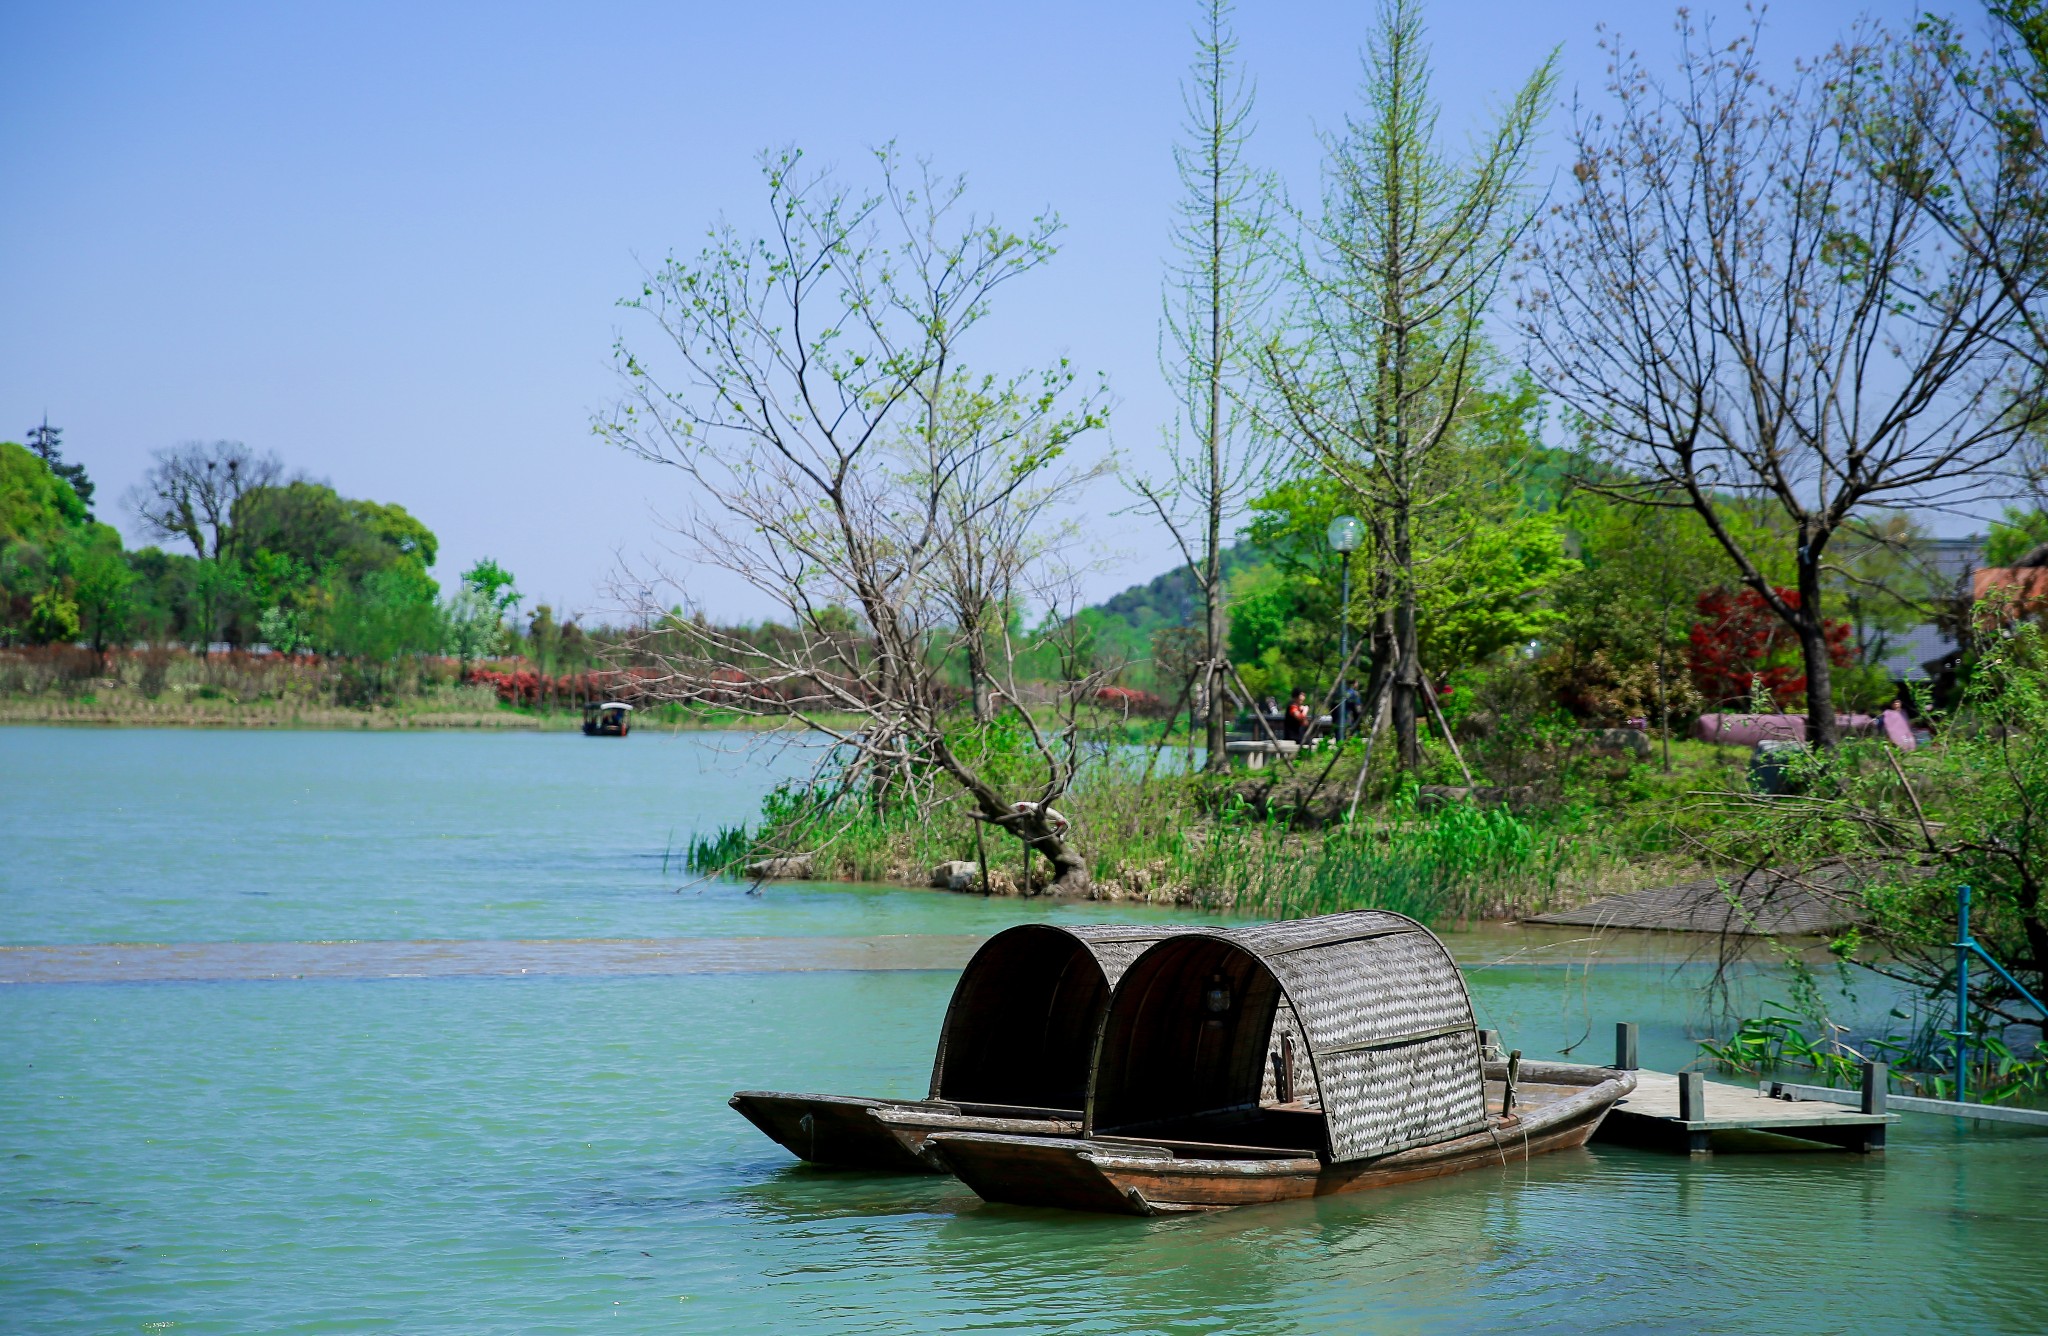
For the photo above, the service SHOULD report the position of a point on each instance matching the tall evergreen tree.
(48, 441)
(1379, 370)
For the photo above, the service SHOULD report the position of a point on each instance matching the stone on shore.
(958, 874)
(795, 867)
(1618, 742)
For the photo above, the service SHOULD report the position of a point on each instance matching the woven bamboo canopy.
(1383, 1022)
(1022, 1023)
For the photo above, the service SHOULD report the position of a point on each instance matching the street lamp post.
(1345, 534)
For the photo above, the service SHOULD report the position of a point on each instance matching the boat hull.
(835, 1130)
(882, 1135)
(1565, 1105)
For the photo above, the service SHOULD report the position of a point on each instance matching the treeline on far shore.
(157, 684)
(268, 586)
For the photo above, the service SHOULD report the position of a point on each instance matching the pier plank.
(1660, 1111)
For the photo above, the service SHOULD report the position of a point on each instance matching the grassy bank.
(1278, 842)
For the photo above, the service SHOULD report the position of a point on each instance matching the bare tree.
(1744, 300)
(803, 389)
(1392, 285)
(190, 492)
(998, 537)
(1973, 127)
(1216, 288)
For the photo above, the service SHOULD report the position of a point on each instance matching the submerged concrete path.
(205, 962)
(1760, 904)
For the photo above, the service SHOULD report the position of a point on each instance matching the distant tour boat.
(1184, 1111)
(1013, 1055)
(613, 719)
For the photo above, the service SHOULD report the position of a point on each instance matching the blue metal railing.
(1965, 946)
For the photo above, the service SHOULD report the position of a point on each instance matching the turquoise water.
(553, 1153)
(165, 835)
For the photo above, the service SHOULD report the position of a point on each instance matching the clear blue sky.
(385, 240)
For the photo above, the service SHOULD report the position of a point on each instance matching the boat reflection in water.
(1280, 1061)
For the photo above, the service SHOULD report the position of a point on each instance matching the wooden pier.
(1684, 1111)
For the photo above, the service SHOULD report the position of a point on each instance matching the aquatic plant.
(1457, 862)
(1922, 1063)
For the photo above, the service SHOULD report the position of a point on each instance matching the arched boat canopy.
(1190, 1038)
(1021, 1027)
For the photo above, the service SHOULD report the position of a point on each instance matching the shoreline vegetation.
(161, 687)
(1279, 842)
(455, 712)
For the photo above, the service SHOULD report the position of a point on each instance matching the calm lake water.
(423, 1139)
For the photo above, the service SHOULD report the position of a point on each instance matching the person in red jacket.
(1296, 727)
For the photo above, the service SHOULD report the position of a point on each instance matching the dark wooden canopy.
(1021, 1027)
(1384, 1023)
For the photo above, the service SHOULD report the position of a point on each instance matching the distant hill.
(1171, 599)
(1124, 623)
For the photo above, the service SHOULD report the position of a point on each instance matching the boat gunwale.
(1134, 1173)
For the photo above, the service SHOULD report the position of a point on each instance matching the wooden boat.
(1208, 1093)
(1012, 1060)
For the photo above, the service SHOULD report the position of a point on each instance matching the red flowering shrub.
(1739, 640)
(1129, 700)
(523, 686)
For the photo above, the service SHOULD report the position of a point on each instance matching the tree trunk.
(1070, 872)
(1379, 660)
(1811, 627)
(1216, 721)
(1407, 678)
(1663, 710)
(1217, 761)
(977, 674)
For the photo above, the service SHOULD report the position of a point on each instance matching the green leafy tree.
(52, 617)
(35, 504)
(494, 584)
(281, 630)
(100, 584)
(383, 616)
(164, 599)
(1618, 648)
(60, 573)
(1487, 557)
(2017, 533)
(474, 617)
